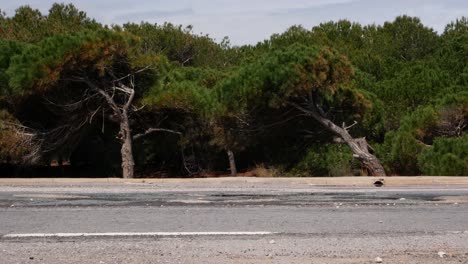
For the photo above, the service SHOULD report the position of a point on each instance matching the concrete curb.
(321, 181)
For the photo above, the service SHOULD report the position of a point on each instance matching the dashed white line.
(136, 234)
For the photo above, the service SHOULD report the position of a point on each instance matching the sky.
(250, 21)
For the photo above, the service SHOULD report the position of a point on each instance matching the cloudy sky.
(249, 21)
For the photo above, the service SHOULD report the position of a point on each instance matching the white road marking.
(134, 234)
(53, 196)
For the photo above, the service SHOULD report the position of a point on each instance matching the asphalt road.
(234, 223)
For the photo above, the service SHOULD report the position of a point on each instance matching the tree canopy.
(148, 99)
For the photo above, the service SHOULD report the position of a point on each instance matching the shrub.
(448, 156)
(326, 160)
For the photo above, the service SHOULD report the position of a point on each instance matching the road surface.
(238, 222)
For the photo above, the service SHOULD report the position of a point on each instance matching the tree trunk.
(232, 162)
(360, 150)
(358, 146)
(128, 163)
(121, 112)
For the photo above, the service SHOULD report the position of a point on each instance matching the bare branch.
(111, 102)
(29, 141)
(93, 114)
(348, 127)
(153, 130)
(130, 98)
(132, 74)
(138, 109)
(187, 60)
(123, 89)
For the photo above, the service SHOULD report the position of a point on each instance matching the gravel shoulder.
(271, 249)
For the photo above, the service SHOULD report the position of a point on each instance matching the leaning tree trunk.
(232, 162)
(359, 146)
(128, 163)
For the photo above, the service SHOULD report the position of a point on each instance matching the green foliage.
(372, 115)
(402, 148)
(280, 76)
(29, 25)
(453, 51)
(179, 44)
(67, 19)
(399, 153)
(42, 66)
(293, 35)
(413, 86)
(8, 49)
(447, 157)
(188, 89)
(23, 26)
(326, 160)
(409, 39)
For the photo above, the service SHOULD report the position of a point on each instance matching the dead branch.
(30, 141)
(348, 127)
(132, 74)
(153, 130)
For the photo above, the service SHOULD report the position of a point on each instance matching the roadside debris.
(402, 199)
(272, 242)
(379, 183)
(442, 254)
(378, 260)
